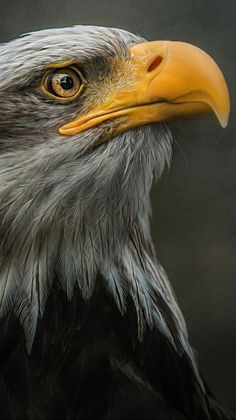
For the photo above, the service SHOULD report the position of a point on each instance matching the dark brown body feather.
(86, 362)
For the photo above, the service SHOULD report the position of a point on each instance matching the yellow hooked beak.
(170, 80)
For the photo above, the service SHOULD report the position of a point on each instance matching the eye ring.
(63, 84)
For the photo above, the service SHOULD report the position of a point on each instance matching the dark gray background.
(194, 204)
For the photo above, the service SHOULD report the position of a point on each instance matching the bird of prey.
(90, 326)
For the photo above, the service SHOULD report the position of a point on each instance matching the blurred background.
(194, 204)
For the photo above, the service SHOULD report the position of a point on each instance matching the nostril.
(155, 63)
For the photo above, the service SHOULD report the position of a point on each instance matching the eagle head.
(82, 131)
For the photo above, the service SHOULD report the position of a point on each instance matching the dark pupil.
(66, 82)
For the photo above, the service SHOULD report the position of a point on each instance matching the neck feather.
(72, 212)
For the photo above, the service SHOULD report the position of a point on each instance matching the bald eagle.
(90, 326)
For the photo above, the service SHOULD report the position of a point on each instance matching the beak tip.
(224, 124)
(223, 120)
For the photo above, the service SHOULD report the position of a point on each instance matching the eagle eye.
(62, 83)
